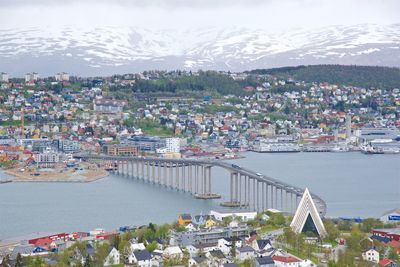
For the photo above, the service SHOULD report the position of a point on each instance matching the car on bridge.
(236, 166)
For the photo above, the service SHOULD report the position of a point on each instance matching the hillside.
(363, 76)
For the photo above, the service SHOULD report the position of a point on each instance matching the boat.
(339, 148)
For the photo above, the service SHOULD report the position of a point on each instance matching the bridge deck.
(233, 168)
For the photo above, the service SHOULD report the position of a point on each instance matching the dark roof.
(217, 254)
(90, 250)
(230, 265)
(142, 255)
(262, 243)
(186, 216)
(199, 259)
(245, 249)
(158, 240)
(265, 260)
(382, 239)
(22, 249)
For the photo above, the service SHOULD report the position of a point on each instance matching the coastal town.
(151, 124)
(45, 121)
(220, 240)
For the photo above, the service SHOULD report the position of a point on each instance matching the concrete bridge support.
(247, 188)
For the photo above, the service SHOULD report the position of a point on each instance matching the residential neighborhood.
(43, 121)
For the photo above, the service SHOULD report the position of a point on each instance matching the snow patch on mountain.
(128, 48)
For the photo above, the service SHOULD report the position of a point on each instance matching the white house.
(190, 227)
(245, 216)
(245, 253)
(286, 261)
(261, 244)
(199, 261)
(225, 244)
(371, 255)
(112, 258)
(140, 257)
(173, 252)
(137, 246)
(195, 249)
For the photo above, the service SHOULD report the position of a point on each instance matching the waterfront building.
(172, 145)
(391, 233)
(391, 216)
(69, 146)
(147, 143)
(122, 150)
(306, 218)
(371, 134)
(47, 159)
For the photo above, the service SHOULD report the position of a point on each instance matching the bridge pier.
(206, 184)
(194, 176)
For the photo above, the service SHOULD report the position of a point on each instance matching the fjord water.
(352, 184)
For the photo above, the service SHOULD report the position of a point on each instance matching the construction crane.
(22, 129)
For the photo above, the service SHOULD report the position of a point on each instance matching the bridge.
(248, 189)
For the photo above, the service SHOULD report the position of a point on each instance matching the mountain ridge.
(109, 50)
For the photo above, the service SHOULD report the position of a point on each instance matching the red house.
(50, 237)
(392, 233)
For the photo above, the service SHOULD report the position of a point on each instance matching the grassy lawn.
(268, 228)
(10, 123)
(303, 255)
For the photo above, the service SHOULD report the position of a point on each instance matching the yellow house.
(210, 223)
(184, 219)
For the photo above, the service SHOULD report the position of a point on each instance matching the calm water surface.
(352, 184)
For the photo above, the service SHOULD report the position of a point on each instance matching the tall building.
(62, 76)
(307, 219)
(3, 77)
(31, 77)
(172, 145)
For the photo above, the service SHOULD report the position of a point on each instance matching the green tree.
(18, 260)
(88, 261)
(370, 223)
(233, 249)
(6, 261)
(331, 229)
(152, 246)
(101, 253)
(393, 255)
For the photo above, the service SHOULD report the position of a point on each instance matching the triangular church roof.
(305, 210)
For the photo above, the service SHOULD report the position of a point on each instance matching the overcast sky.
(161, 14)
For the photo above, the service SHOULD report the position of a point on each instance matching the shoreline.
(86, 174)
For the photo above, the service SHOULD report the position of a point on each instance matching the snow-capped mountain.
(108, 50)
